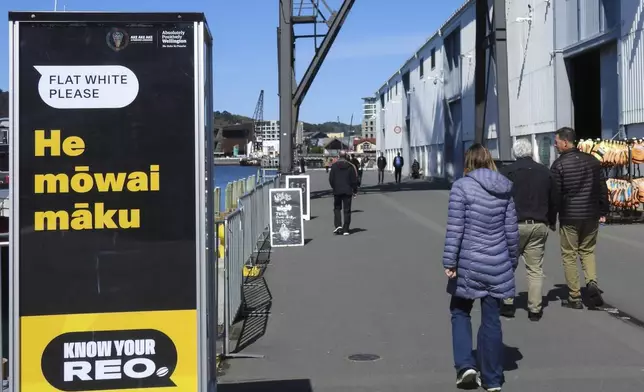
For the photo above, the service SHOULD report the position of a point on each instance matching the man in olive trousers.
(533, 193)
(582, 203)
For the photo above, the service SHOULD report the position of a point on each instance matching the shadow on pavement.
(557, 293)
(268, 386)
(257, 302)
(511, 358)
(405, 186)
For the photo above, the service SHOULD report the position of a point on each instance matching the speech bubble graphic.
(110, 360)
(87, 86)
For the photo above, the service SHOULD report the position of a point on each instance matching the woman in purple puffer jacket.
(480, 256)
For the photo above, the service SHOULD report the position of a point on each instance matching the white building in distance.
(267, 134)
(369, 112)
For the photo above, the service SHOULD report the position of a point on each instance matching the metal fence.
(245, 230)
(4, 247)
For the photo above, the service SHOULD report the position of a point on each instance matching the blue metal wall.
(586, 19)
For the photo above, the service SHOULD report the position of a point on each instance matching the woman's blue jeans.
(489, 340)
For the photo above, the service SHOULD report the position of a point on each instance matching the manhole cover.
(364, 357)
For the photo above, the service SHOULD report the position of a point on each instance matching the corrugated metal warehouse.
(577, 63)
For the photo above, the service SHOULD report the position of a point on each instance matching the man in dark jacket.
(302, 165)
(399, 162)
(356, 162)
(582, 203)
(344, 182)
(415, 169)
(533, 190)
(382, 164)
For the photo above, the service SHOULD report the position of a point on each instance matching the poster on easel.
(303, 182)
(286, 222)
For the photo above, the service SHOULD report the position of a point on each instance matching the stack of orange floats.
(615, 153)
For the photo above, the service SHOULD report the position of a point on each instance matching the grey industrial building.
(576, 63)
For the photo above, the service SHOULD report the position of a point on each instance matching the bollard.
(229, 197)
(217, 197)
(235, 194)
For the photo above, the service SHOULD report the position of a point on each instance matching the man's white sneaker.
(338, 230)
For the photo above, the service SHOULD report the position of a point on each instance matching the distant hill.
(331, 127)
(224, 118)
(227, 118)
(4, 103)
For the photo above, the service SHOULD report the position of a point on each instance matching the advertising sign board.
(303, 182)
(108, 201)
(286, 222)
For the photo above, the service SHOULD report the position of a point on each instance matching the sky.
(377, 38)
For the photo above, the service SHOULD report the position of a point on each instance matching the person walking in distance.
(399, 162)
(382, 164)
(480, 256)
(533, 192)
(343, 179)
(356, 163)
(582, 203)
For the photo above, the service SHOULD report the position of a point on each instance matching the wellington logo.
(117, 39)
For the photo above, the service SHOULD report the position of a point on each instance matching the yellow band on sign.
(119, 352)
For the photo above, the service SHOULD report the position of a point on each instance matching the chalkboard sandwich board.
(286, 224)
(303, 182)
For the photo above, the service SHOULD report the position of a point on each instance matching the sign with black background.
(286, 224)
(107, 206)
(302, 182)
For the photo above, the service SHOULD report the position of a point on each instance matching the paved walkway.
(382, 291)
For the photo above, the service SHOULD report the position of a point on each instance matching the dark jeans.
(342, 202)
(398, 173)
(489, 339)
(381, 176)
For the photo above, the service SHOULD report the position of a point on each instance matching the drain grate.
(364, 357)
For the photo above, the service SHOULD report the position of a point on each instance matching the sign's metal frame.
(204, 181)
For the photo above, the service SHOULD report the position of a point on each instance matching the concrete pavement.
(381, 291)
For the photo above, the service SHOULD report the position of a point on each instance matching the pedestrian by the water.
(382, 165)
(480, 256)
(399, 162)
(302, 165)
(534, 196)
(360, 168)
(327, 164)
(415, 169)
(355, 162)
(582, 203)
(344, 182)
